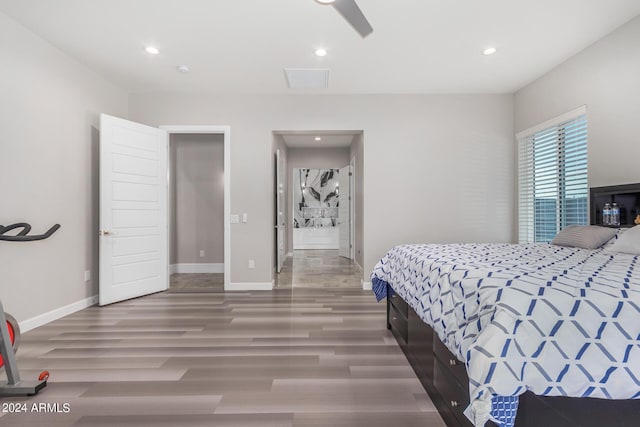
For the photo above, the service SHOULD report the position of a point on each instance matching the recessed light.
(325, 1)
(489, 51)
(321, 52)
(152, 50)
(183, 68)
(317, 138)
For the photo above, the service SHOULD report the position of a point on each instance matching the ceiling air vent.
(307, 78)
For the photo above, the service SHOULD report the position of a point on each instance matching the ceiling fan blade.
(352, 13)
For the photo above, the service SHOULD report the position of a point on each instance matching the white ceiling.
(242, 46)
(307, 139)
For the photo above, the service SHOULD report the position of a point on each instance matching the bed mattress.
(555, 320)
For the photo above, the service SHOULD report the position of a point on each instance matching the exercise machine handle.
(23, 236)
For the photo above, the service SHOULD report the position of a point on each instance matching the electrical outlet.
(252, 264)
(201, 253)
(87, 275)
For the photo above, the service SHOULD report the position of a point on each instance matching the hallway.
(318, 269)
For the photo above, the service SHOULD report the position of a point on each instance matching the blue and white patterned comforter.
(554, 320)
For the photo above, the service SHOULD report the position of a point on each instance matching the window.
(552, 171)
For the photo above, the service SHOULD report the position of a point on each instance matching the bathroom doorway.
(322, 214)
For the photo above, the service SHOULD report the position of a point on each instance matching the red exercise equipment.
(12, 334)
(9, 328)
(9, 341)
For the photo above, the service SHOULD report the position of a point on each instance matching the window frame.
(527, 220)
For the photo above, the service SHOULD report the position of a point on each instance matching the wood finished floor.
(305, 269)
(318, 269)
(288, 357)
(196, 282)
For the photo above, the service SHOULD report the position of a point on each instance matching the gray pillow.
(628, 243)
(584, 236)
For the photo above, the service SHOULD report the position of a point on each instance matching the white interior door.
(133, 210)
(280, 206)
(352, 208)
(344, 214)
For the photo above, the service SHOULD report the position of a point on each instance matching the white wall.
(438, 168)
(605, 77)
(49, 107)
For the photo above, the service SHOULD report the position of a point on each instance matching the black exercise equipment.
(10, 331)
(23, 236)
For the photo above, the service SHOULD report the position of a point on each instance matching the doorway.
(196, 212)
(320, 214)
(213, 135)
(134, 208)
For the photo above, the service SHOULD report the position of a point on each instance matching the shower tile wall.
(315, 197)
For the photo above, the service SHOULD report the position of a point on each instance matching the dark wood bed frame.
(445, 378)
(626, 196)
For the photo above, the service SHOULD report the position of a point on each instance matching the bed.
(533, 334)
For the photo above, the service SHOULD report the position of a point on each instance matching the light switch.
(244, 218)
(235, 219)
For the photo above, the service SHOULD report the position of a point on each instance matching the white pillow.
(627, 243)
(615, 238)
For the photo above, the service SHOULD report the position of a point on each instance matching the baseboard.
(312, 246)
(357, 265)
(250, 286)
(58, 313)
(196, 268)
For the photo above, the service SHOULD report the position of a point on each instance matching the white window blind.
(552, 171)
